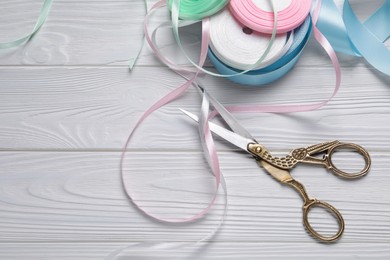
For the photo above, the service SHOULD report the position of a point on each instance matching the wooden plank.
(95, 108)
(263, 250)
(81, 33)
(77, 196)
(110, 32)
(62, 129)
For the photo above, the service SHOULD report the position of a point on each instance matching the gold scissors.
(278, 168)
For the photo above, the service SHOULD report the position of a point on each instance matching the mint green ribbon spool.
(198, 9)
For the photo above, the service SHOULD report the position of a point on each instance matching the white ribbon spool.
(240, 47)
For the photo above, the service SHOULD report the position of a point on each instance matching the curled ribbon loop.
(207, 139)
(348, 35)
(45, 9)
(289, 58)
(43, 14)
(368, 45)
(164, 100)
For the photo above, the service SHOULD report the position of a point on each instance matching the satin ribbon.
(44, 12)
(348, 35)
(198, 9)
(175, 27)
(321, 39)
(251, 13)
(204, 130)
(240, 47)
(207, 142)
(274, 71)
(164, 100)
(179, 91)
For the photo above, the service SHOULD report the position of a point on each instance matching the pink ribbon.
(206, 136)
(164, 100)
(260, 20)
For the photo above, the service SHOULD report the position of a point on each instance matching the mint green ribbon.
(44, 12)
(41, 20)
(175, 6)
(199, 9)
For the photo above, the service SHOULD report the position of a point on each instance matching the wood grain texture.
(77, 196)
(68, 102)
(229, 251)
(110, 32)
(75, 33)
(95, 108)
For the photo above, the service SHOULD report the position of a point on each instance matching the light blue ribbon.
(274, 71)
(348, 35)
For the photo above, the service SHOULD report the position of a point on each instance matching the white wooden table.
(68, 102)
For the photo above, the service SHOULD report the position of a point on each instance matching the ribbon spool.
(240, 47)
(196, 10)
(270, 73)
(258, 15)
(273, 71)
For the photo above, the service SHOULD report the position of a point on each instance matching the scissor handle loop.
(356, 148)
(332, 210)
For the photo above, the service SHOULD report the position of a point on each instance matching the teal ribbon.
(44, 12)
(348, 35)
(176, 7)
(41, 20)
(198, 9)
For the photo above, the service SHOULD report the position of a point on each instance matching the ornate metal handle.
(307, 155)
(311, 203)
(317, 203)
(353, 147)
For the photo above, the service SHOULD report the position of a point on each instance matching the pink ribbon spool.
(252, 13)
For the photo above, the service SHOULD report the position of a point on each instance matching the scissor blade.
(279, 174)
(228, 135)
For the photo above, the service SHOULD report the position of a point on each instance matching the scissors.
(279, 168)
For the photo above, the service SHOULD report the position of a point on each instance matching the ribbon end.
(131, 63)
